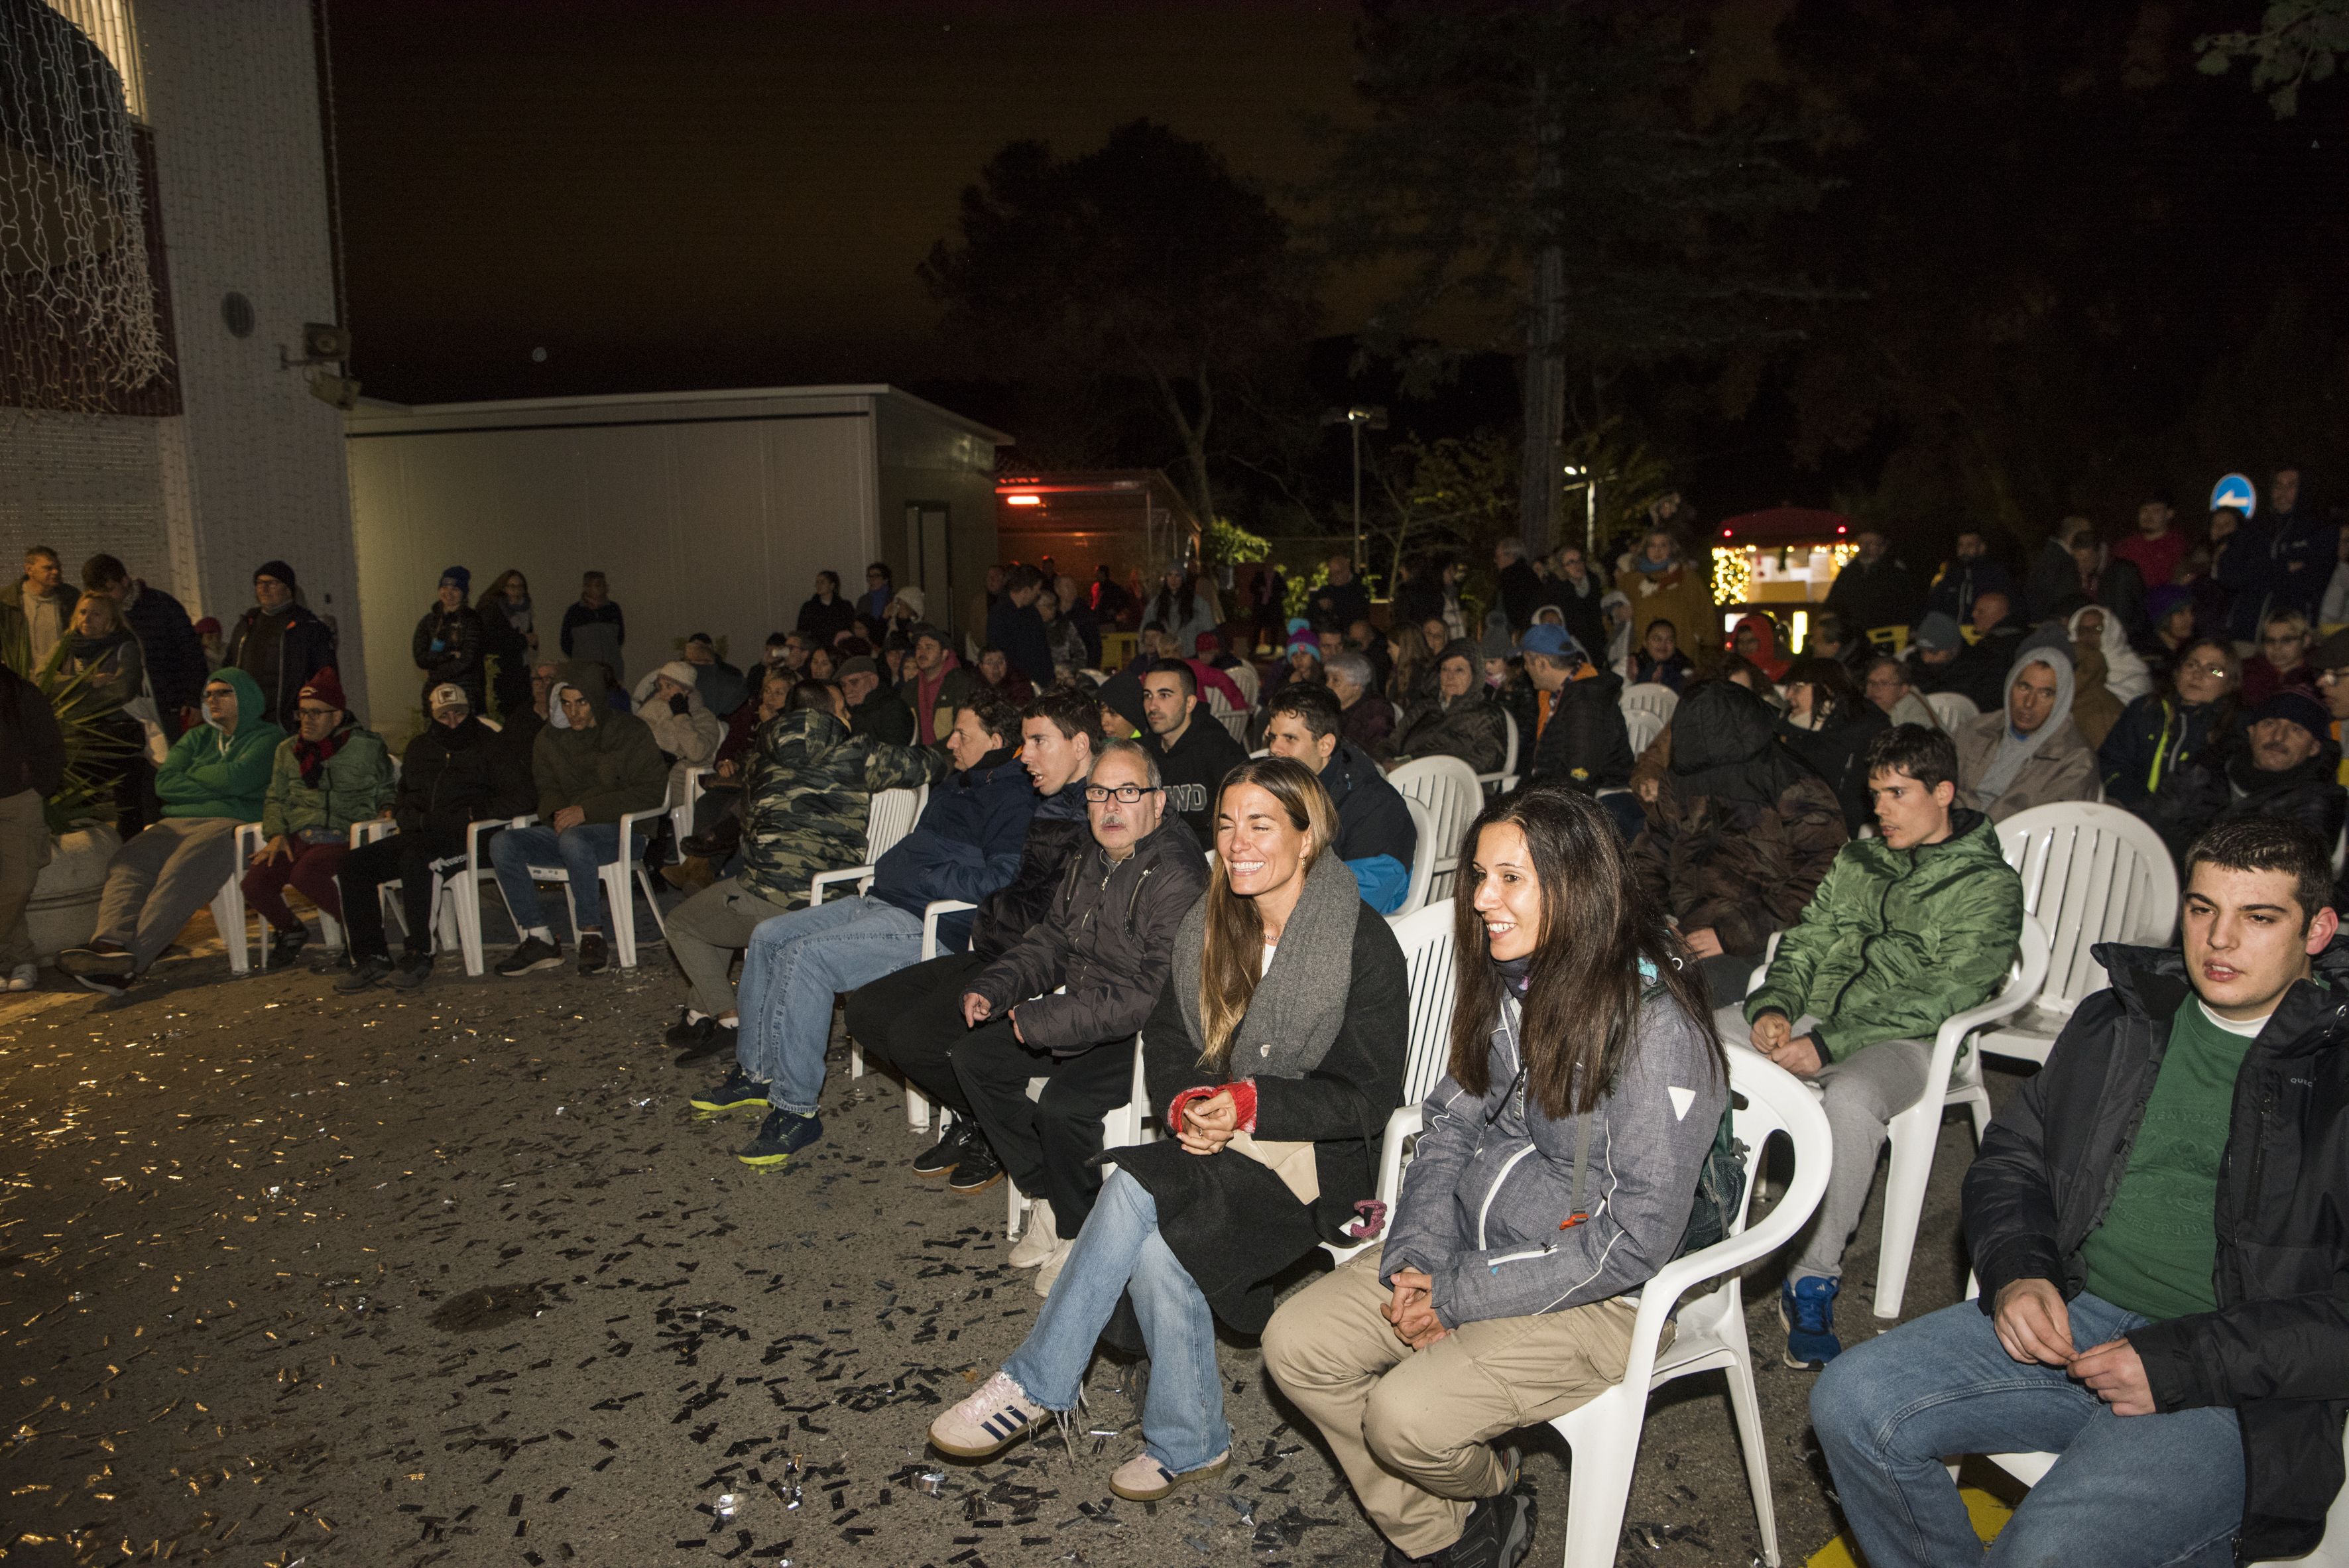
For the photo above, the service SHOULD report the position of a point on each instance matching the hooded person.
(1756, 638)
(278, 642)
(331, 773)
(1616, 606)
(215, 778)
(451, 642)
(2107, 673)
(2284, 764)
(1121, 701)
(670, 702)
(2027, 752)
(1463, 719)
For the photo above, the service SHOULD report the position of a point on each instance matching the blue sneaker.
(784, 1134)
(1807, 1309)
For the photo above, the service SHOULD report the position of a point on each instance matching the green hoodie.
(354, 785)
(209, 774)
(1895, 941)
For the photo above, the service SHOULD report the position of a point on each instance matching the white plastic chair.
(889, 816)
(2332, 1552)
(1453, 794)
(231, 919)
(1605, 1433)
(1422, 859)
(918, 1104)
(1242, 675)
(1122, 1126)
(1431, 982)
(2090, 873)
(1235, 720)
(1643, 725)
(1504, 781)
(1649, 697)
(680, 821)
(620, 878)
(1951, 709)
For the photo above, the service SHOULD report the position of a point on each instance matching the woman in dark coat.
(1277, 1096)
(1829, 724)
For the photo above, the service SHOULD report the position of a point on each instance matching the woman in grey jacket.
(1556, 1171)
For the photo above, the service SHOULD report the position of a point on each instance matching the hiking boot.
(689, 875)
(1807, 1309)
(1039, 1241)
(718, 844)
(535, 953)
(284, 946)
(594, 957)
(784, 1134)
(1143, 1480)
(110, 958)
(739, 1090)
(370, 971)
(942, 1157)
(989, 1421)
(977, 1171)
(414, 969)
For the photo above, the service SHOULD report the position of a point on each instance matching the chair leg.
(856, 1060)
(1746, 1404)
(228, 914)
(644, 880)
(1913, 1133)
(620, 911)
(469, 926)
(1598, 1488)
(918, 1110)
(1016, 1220)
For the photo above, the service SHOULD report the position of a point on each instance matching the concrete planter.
(64, 910)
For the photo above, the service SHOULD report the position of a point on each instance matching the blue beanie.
(460, 577)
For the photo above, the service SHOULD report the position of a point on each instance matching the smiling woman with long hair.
(1275, 1056)
(1558, 1168)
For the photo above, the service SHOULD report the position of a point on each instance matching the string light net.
(78, 319)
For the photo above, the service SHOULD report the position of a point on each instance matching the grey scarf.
(1301, 1000)
(2014, 750)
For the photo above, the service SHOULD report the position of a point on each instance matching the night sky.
(673, 195)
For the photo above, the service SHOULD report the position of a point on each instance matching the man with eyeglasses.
(1063, 1004)
(2163, 731)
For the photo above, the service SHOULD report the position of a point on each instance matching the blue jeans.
(1117, 1252)
(793, 965)
(2146, 1491)
(579, 850)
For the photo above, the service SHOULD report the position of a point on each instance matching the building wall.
(81, 483)
(927, 462)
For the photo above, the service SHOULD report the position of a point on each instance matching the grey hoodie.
(1483, 1200)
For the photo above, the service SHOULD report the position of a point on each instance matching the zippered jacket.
(808, 797)
(1109, 938)
(1485, 1200)
(966, 845)
(208, 774)
(354, 785)
(1896, 941)
(2276, 1347)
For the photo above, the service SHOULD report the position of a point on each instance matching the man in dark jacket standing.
(1521, 585)
(449, 641)
(1195, 752)
(2155, 1219)
(1968, 573)
(1014, 626)
(1341, 602)
(174, 654)
(1874, 589)
(1376, 835)
(280, 643)
(1583, 743)
(1109, 939)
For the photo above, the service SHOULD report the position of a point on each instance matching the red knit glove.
(1243, 1094)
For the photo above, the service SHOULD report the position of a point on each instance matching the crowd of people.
(1197, 851)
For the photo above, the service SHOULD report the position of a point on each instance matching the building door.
(929, 556)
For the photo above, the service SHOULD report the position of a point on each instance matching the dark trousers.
(311, 870)
(408, 857)
(1048, 1145)
(912, 1021)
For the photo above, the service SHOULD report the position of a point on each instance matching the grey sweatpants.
(708, 930)
(161, 878)
(24, 851)
(1861, 1095)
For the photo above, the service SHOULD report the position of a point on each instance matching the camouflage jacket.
(810, 783)
(1744, 869)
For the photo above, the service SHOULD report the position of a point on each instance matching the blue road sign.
(2235, 490)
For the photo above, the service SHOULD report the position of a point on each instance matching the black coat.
(1058, 834)
(444, 782)
(1335, 606)
(1229, 1218)
(1838, 754)
(513, 753)
(458, 660)
(1586, 745)
(281, 652)
(1522, 593)
(2156, 736)
(176, 667)
(2221, 785)
(31, 748)
(1195, 770)
(2277, 1347)
(510, 649)
(1884, 594)
(824, 622)
(883, 716)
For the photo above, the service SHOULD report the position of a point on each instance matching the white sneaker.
(1052, 1267)
(989, 1421)
(25, 977)
(1038, 1240)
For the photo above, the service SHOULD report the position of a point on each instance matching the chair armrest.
(1402, 1126)
(861, 875)
(693, 778)
(473, 836)
(370, 831)
(930, 913)
(248, 843)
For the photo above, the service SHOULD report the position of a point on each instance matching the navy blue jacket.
(966, 846)
(1019, 630)
(2257, 568)
(1961, 583)
(1375, 834)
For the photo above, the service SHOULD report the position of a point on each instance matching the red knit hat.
(326, 687)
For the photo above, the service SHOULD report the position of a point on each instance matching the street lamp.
(1354, 418)
(1588, 484)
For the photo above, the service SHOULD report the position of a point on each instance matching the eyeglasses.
(317, 712)
(1124, 794)
(2328, 677)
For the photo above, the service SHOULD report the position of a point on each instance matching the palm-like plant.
(94, 748)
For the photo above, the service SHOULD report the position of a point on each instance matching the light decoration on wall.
(1737, 566)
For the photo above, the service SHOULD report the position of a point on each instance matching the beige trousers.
(1412, 1428)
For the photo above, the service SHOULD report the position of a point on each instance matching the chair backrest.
(1447, 787)
(2090, 873)
(1235, 721)
(1242, 675)
(1426, 940)
(1651, 696)
(1951, 709)
(1643, 725)
(1423, 858)
(890, 818)
(1509, 757)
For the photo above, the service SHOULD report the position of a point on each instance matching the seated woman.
(1278, 1093)
(1587, 1087)
(1830, 725)
(1659, 660)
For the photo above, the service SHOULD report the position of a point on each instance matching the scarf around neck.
(314, 755)
(1300, 1003)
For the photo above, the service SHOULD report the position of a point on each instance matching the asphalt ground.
(458, 1277)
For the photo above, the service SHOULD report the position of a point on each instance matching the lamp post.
(1355, 418)
(1587, 482)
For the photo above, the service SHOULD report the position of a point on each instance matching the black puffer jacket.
(2277, 1347)
(2223, 783)
(1108, 936)
(1585, 746)
(1058, 834)
(444, 781)
(463, 642)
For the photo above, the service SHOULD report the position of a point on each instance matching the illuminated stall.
(1781, 560)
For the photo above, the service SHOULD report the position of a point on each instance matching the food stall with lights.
(1781, 560)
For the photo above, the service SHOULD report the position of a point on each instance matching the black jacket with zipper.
(444, 782)
(2276, 1350)
(1108, 937)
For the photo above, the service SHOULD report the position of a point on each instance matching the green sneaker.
(784, 1134)
(739, 1092)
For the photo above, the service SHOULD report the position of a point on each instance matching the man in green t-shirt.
(2157, 1222)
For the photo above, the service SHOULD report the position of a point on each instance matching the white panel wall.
(81, 483)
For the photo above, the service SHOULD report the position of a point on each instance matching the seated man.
(874, 709)
(936, 684)
(216, 777)
(966, 845)
(452, 776)
(998, 674)
(2027, 752)
(1907, 929)
(2155, 1222)
(1462, 720)
(1583, 743)
(670, 702)
(1369, 719)
(912, 1019)
(592, 766)
(1195, 750)
(332, 772)
(806, 805)
(1109, 938)
(1376, 836)
(1887, 684)
(2286, 766)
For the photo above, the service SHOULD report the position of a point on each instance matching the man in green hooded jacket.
(215, 778)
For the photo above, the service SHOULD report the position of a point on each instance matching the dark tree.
(1145, 262)
(1561, 170)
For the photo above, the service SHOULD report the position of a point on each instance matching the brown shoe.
(689, 875)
